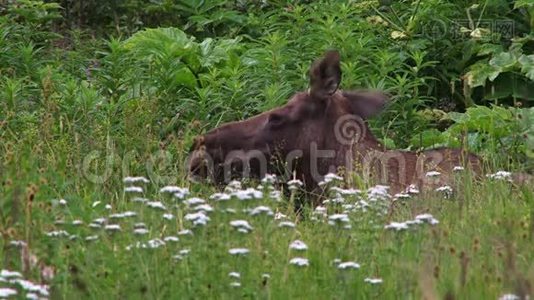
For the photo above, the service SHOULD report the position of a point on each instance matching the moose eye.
(276, 120)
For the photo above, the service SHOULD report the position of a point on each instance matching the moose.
(320, 131)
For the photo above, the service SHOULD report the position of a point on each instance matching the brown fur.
(292, 139)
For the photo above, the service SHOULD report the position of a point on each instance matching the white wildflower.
(194, 201)
(378, 192)
(140, 231)
(57, 233)
(348, 265)
(294, 184)
(397, 226)
(108, 206)
(373, 280)
(286, 224)
(446, 190)
(112, 227)
(62, 202)
(501, 175)
(279, 216)
(412, 189)
(238, 251)
(248, 194)
(241, 224)
(330, 177)
(299, 261)
(433, 174)
(18, 243)
(133, 189)
(220, 197)
(32, 287)
(135, 179)
(298, 245)
(234, 185)
(234, 275)
(185, 232)
(168, 216)
(338, 219)
(427, 218)
(156, 204)
(269, 179)
(401, 196)
(91, 238)
(262, 210)
(458, 168)
(198, 219)
(126, 214)
(7, 292)
(275, 195)
(10, 274)
(140, 200)
(77, 222)
(171, 239)
(155, 243)
(204, 208)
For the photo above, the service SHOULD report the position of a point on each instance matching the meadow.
(100, 102)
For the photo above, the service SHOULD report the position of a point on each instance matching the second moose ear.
(366, 103)
(325, 75)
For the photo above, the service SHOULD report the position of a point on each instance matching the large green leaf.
(503, 61)
(527, 65)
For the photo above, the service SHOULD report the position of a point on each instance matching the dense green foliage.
(92, 91)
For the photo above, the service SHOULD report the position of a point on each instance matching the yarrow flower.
(397, 226)
(133, 189)
(412, 189)
(135, 179)
(7, 292)
(168, 216)
(427, 218)
(509, 297)
(204, 208)
(330, 177)
(220, 197)
(112, 227)
(298, 245)
(433, 174)
(348, 265)
(234, 275)
(269, 179)
(238, 251)
(248, 194)
(373, 280)
(338, 219)
(241, 225)
(300, 261)
(501, 175)
(194, 201)
(458, 168)
(286, 224)
(294, 184)
(198, 219)
(261, 210)
(378, 192)
(446, 190)
(156, 204)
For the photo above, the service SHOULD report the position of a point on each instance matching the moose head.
(315, 133)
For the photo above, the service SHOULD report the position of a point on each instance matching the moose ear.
(366, 103)
(325, 75)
